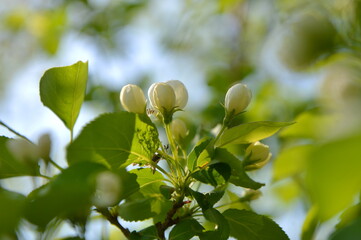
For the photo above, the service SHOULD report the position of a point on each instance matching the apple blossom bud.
(23, 150)
(108, 189)
(132, 99)
(257, 155)
(237, 98)
(179, 129)
(44, 146)
(162, 97)
(181, 93)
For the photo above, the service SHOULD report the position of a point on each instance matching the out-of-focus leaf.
(185, 230)
(291, 161)
(116, 139)
(312, 124)
(350, 232)
(69, 196)
(12, 167)
(247, 225)
(310, 224)
(62, 89)
(215, 174)
(333, 175)
(238, 174)
(250, 132)
(11, 208)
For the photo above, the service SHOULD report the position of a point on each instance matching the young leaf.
(247, 225)
(149, 182)
(196, 152)
(222, 229)
(62, 89)
(238, 174)
(116, 139)
(216, 174)
(186, 229)
(11, 208)
(11, 167)
(250, 132)
(136, 209)
(206, 201)
(69, 195)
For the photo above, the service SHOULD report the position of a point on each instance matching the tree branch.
(113, 219)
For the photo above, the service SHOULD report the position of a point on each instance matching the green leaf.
(69, 196)
(238, 175)
(196, 152)
(333, 166)
(250, 132)
(186, 229)
(11, 167)
(149, 182)
(11, 208)
(222, 229)
(247, 225)
(215, 174)
(116, 139)
(310, 224)
(136, 210)
(291, 161)
(62, 89)
(206, 201)
(350, 232)
(149, 233)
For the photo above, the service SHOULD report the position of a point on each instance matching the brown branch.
(113, 219)
(169, 221)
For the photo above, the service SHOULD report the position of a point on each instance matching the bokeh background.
(300, 58)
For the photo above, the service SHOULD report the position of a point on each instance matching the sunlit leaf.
(11, 167)
(247, 225)
(310, 224)
(196, 152)
(238, 175)
(185, 230)
(333, 176)
(250, 132)
(62, 89)
(149, 182)
(291, 161)
(115, 139)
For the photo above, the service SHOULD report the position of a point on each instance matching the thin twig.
(113, 219)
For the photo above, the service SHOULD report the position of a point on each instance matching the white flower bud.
(179, 129)
(44, 146)
(257, 155)
(162, 97)
(108, 189)
(132, 99)
(181, 93)
(237, 98)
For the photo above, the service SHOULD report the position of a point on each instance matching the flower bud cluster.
(257, 155)
(164, 97)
